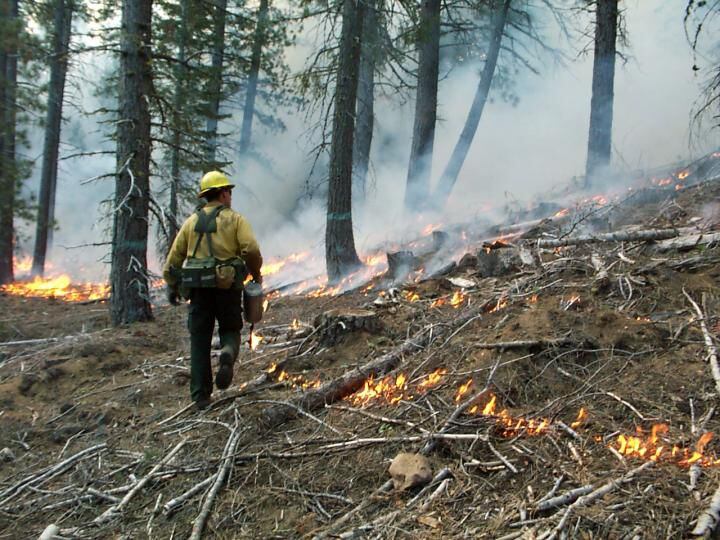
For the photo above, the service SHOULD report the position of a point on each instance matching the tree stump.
(401, 263)
(334, 324)
(503, 261)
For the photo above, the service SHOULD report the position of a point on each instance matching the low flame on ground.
(501, 304)
(393, 389)
(295, 381)
(650, 446)
(457, 300)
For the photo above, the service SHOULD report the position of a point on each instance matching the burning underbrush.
(560, 382)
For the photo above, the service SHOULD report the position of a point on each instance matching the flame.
(651, 447)
(678, 187)
(433, 379)
(430, 228)
(533, 299)
(510, 426)
(295, 381)
(580, 420)
(439, 302)
(501, 304)
(561, 213)
(295, 325)
(682, 175)
(58, 287)
(411, 296)
(662, 181)
(22, 266)
(390, 390)
(254, 341)
(458, 298)
(463, 390)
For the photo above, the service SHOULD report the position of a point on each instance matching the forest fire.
(59, 287)
(254, 340)
(649, 446)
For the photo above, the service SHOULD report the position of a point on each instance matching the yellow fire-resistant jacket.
(234, 238)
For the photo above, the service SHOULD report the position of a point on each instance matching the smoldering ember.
(463, 258)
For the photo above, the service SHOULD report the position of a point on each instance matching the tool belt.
(209, 272)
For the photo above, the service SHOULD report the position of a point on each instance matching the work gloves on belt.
(173, 296)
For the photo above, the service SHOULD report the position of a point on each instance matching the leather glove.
(173, 296)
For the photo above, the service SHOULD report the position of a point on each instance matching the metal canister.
(253, 302)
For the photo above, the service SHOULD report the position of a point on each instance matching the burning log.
(333, 324)
(401, 263)
(648, 235)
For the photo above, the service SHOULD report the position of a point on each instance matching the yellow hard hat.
(214, 180)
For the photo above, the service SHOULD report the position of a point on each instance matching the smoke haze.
(519, 151)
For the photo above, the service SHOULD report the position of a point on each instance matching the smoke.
(521, 150)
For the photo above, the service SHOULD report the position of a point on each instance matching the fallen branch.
(173, 504)
(617, 236)
(528, 343)
(708, 520)
(688, 242)
(591, 497)
(227, 460)
(712, 350)
(115, 510)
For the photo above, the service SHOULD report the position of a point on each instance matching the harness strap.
(206, 225)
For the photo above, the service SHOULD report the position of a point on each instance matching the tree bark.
(366, 100)
(8, 168)
(421, 152)
(177, 114)
(603, 82)
(457, 159)
(340, 255)
(129, 301)
(62, 22)
(253, 75)
(215, 87)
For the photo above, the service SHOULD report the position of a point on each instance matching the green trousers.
(207, 306)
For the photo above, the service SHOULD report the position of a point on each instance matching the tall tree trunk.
(421, 152)
(216, 78)
(62, 23)
(340, 255)
(130, 299)
(365, 100)
(8, 168)
(452, 170)
(251, 94)
(178, 101)
(603, 88)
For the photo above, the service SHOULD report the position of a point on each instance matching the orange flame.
(682, 175)
(458, 298)
(254, 341)
(295, 381)
(58, 287)
(650, 447)
(390, 390)
(411, 296)
(561, 213)
(433, 379)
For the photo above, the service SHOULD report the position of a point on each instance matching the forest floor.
(608, 328)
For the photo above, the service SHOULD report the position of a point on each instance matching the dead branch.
(227, 460)
(114, 511)
(173, 504)
(529, 343)
(688, 242)
(708, 520)
(712, 350)
(617, 236)
(591, 497)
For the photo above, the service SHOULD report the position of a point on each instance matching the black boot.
(230, 342)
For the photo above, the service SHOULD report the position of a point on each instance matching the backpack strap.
(206, 225)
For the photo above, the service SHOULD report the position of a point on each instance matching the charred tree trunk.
(178, 101)
(603, 83)
(62, 22)
(421, 152)
(218, 59)
(251, 94)
(450, 175)
(129, 301)
(8, 169)
(340, 255)
(365, 100)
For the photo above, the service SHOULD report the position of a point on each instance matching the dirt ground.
(634, 356)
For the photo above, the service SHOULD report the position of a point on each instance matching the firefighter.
(212, 254)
